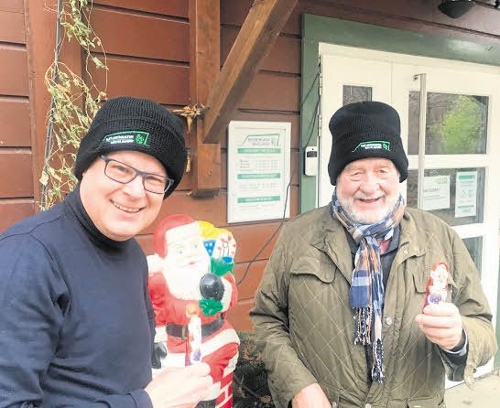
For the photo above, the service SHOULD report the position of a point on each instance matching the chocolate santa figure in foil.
(196, 261)
(437, 286)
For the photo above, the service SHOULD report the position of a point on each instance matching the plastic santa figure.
(191, 292)
(157, 287)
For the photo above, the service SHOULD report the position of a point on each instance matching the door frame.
(391, 78)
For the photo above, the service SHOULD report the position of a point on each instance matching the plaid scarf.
(366, 295)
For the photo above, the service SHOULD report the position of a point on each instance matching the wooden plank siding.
(16, 178)
(12, 24)
(172, 8)
(480, 23)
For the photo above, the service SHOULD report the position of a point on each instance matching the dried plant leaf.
(190, 113)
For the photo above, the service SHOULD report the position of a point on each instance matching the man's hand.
(311, 396)
(180, 387)
(442, 324)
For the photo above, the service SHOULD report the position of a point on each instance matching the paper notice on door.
(466, 192)
(436, 193)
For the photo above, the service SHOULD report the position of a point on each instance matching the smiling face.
(121, 211)
(368, 189)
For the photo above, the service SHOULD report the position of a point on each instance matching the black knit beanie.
(142, 125)
(366, 129)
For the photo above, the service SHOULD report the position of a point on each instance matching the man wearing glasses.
(77, 323)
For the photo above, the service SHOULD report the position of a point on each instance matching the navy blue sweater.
(76, 321)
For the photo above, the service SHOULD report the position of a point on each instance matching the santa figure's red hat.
(172, 221)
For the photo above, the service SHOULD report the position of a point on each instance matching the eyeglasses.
(123, 173)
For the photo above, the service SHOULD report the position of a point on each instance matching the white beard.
(184, 283)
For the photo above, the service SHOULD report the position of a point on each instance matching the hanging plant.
(74, 101)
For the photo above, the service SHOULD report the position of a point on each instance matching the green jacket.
(304, 325)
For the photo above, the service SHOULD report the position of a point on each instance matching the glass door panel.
(455, 195)
(456, 123)
(353, 93)
(475, 248)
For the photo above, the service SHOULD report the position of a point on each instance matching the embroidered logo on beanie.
(135, 137)
(376, 144)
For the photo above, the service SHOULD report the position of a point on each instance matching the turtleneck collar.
(74, 204)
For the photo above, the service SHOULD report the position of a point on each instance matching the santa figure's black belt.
(177, 330)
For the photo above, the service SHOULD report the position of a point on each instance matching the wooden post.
(41, 42)
(204, 19)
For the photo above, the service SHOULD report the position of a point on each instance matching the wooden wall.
(16, 178)
(147, 51)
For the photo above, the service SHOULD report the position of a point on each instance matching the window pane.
(464, 206)
(475, 248)
(351, 94)
(456, 124)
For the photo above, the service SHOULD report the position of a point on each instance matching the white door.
(454, 162)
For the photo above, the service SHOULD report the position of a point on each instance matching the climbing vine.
(74, 100)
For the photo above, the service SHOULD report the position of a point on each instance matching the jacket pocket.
(420, 279)
(324, 271)
(417, 295)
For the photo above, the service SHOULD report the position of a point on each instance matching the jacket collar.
(332, 240)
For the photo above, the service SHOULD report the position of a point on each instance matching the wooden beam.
(258, 34)
(204, 18)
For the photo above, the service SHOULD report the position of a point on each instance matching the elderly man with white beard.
(341, 315)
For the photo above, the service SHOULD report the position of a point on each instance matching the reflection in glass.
(475, 248)
(448, 214)
(351, 94)
(456, 124)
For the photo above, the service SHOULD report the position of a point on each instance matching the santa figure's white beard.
(184, 283)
